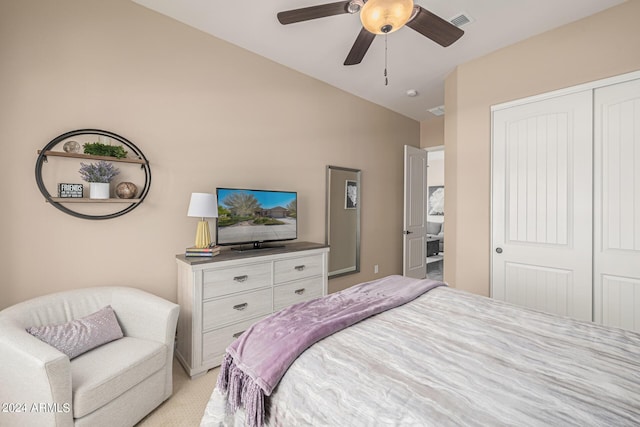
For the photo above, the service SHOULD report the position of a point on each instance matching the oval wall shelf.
(135, 157)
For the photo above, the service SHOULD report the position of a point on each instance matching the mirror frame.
(358, 174)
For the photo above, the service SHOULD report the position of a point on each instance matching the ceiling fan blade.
(432, 26)
(313, 12)
(360, 47)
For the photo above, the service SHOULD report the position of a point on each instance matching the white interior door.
(542, 205)
(415, 213)
(617, 205)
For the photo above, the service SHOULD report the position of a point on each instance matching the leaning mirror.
(343, 220)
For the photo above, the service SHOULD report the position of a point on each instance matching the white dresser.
(220, 297)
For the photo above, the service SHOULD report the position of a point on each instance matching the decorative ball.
(126, 190)
(71, 147)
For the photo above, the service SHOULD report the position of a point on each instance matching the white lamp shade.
(203, 205)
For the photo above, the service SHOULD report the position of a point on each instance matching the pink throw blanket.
(257, 360)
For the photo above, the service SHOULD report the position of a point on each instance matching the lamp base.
(203, 236)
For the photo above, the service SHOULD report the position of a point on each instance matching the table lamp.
(203, 205)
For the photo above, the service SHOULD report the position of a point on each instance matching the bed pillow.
(81, 335)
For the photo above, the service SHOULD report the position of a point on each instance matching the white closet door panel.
(617, 205)
(620, 299)
(539, 287)
(538, 165)
(542, 204)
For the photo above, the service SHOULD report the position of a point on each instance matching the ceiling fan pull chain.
(386, 80)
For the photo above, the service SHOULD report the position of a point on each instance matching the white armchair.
(115, 384)
(435, 230)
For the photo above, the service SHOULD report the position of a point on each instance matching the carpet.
(434, 269)
(186, 405)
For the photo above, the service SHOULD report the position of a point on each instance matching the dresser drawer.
(295, 292)
(236, 308)
(215, 343)
(225, 281)
(287, 270)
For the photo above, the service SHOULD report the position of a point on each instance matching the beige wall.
(600, 46)
(204, 112)
(432, 132)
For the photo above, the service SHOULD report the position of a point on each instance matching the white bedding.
(453, 358)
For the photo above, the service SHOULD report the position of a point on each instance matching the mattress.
(451, 358)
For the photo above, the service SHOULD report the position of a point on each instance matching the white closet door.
(542, 205)
(617, 205)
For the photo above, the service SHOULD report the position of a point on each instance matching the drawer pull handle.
(299, 267)
(241, 278)
(237, 334)
(299, 291)
(240, 306)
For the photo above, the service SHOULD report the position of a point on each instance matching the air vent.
(437, 111)
(461, 19)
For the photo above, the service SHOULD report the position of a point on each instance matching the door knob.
(499, 250)
(407, 232)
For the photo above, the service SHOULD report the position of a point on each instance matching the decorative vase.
(71, 147)
(98, 190)
(126, 190)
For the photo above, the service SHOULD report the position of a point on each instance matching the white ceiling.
(319, 47)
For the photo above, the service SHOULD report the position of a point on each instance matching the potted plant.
(98, 175)
(100, 149)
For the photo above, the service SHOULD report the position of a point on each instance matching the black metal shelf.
(59, 202)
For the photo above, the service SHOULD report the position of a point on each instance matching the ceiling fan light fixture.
(354, 6)
(385, 16)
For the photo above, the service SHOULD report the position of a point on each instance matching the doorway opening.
(435, 212)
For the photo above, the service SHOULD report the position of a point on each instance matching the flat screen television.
(256, 217)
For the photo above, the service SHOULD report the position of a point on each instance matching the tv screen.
(256, 216)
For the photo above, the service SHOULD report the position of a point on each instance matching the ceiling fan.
(379, 17)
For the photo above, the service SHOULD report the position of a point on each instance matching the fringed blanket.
(257, 360)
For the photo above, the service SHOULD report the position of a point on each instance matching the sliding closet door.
(617, 205)
(542, 205)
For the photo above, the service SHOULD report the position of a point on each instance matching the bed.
(451, 358)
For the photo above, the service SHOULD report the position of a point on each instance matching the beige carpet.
(185, 407)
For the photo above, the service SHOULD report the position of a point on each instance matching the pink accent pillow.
(81, 335)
